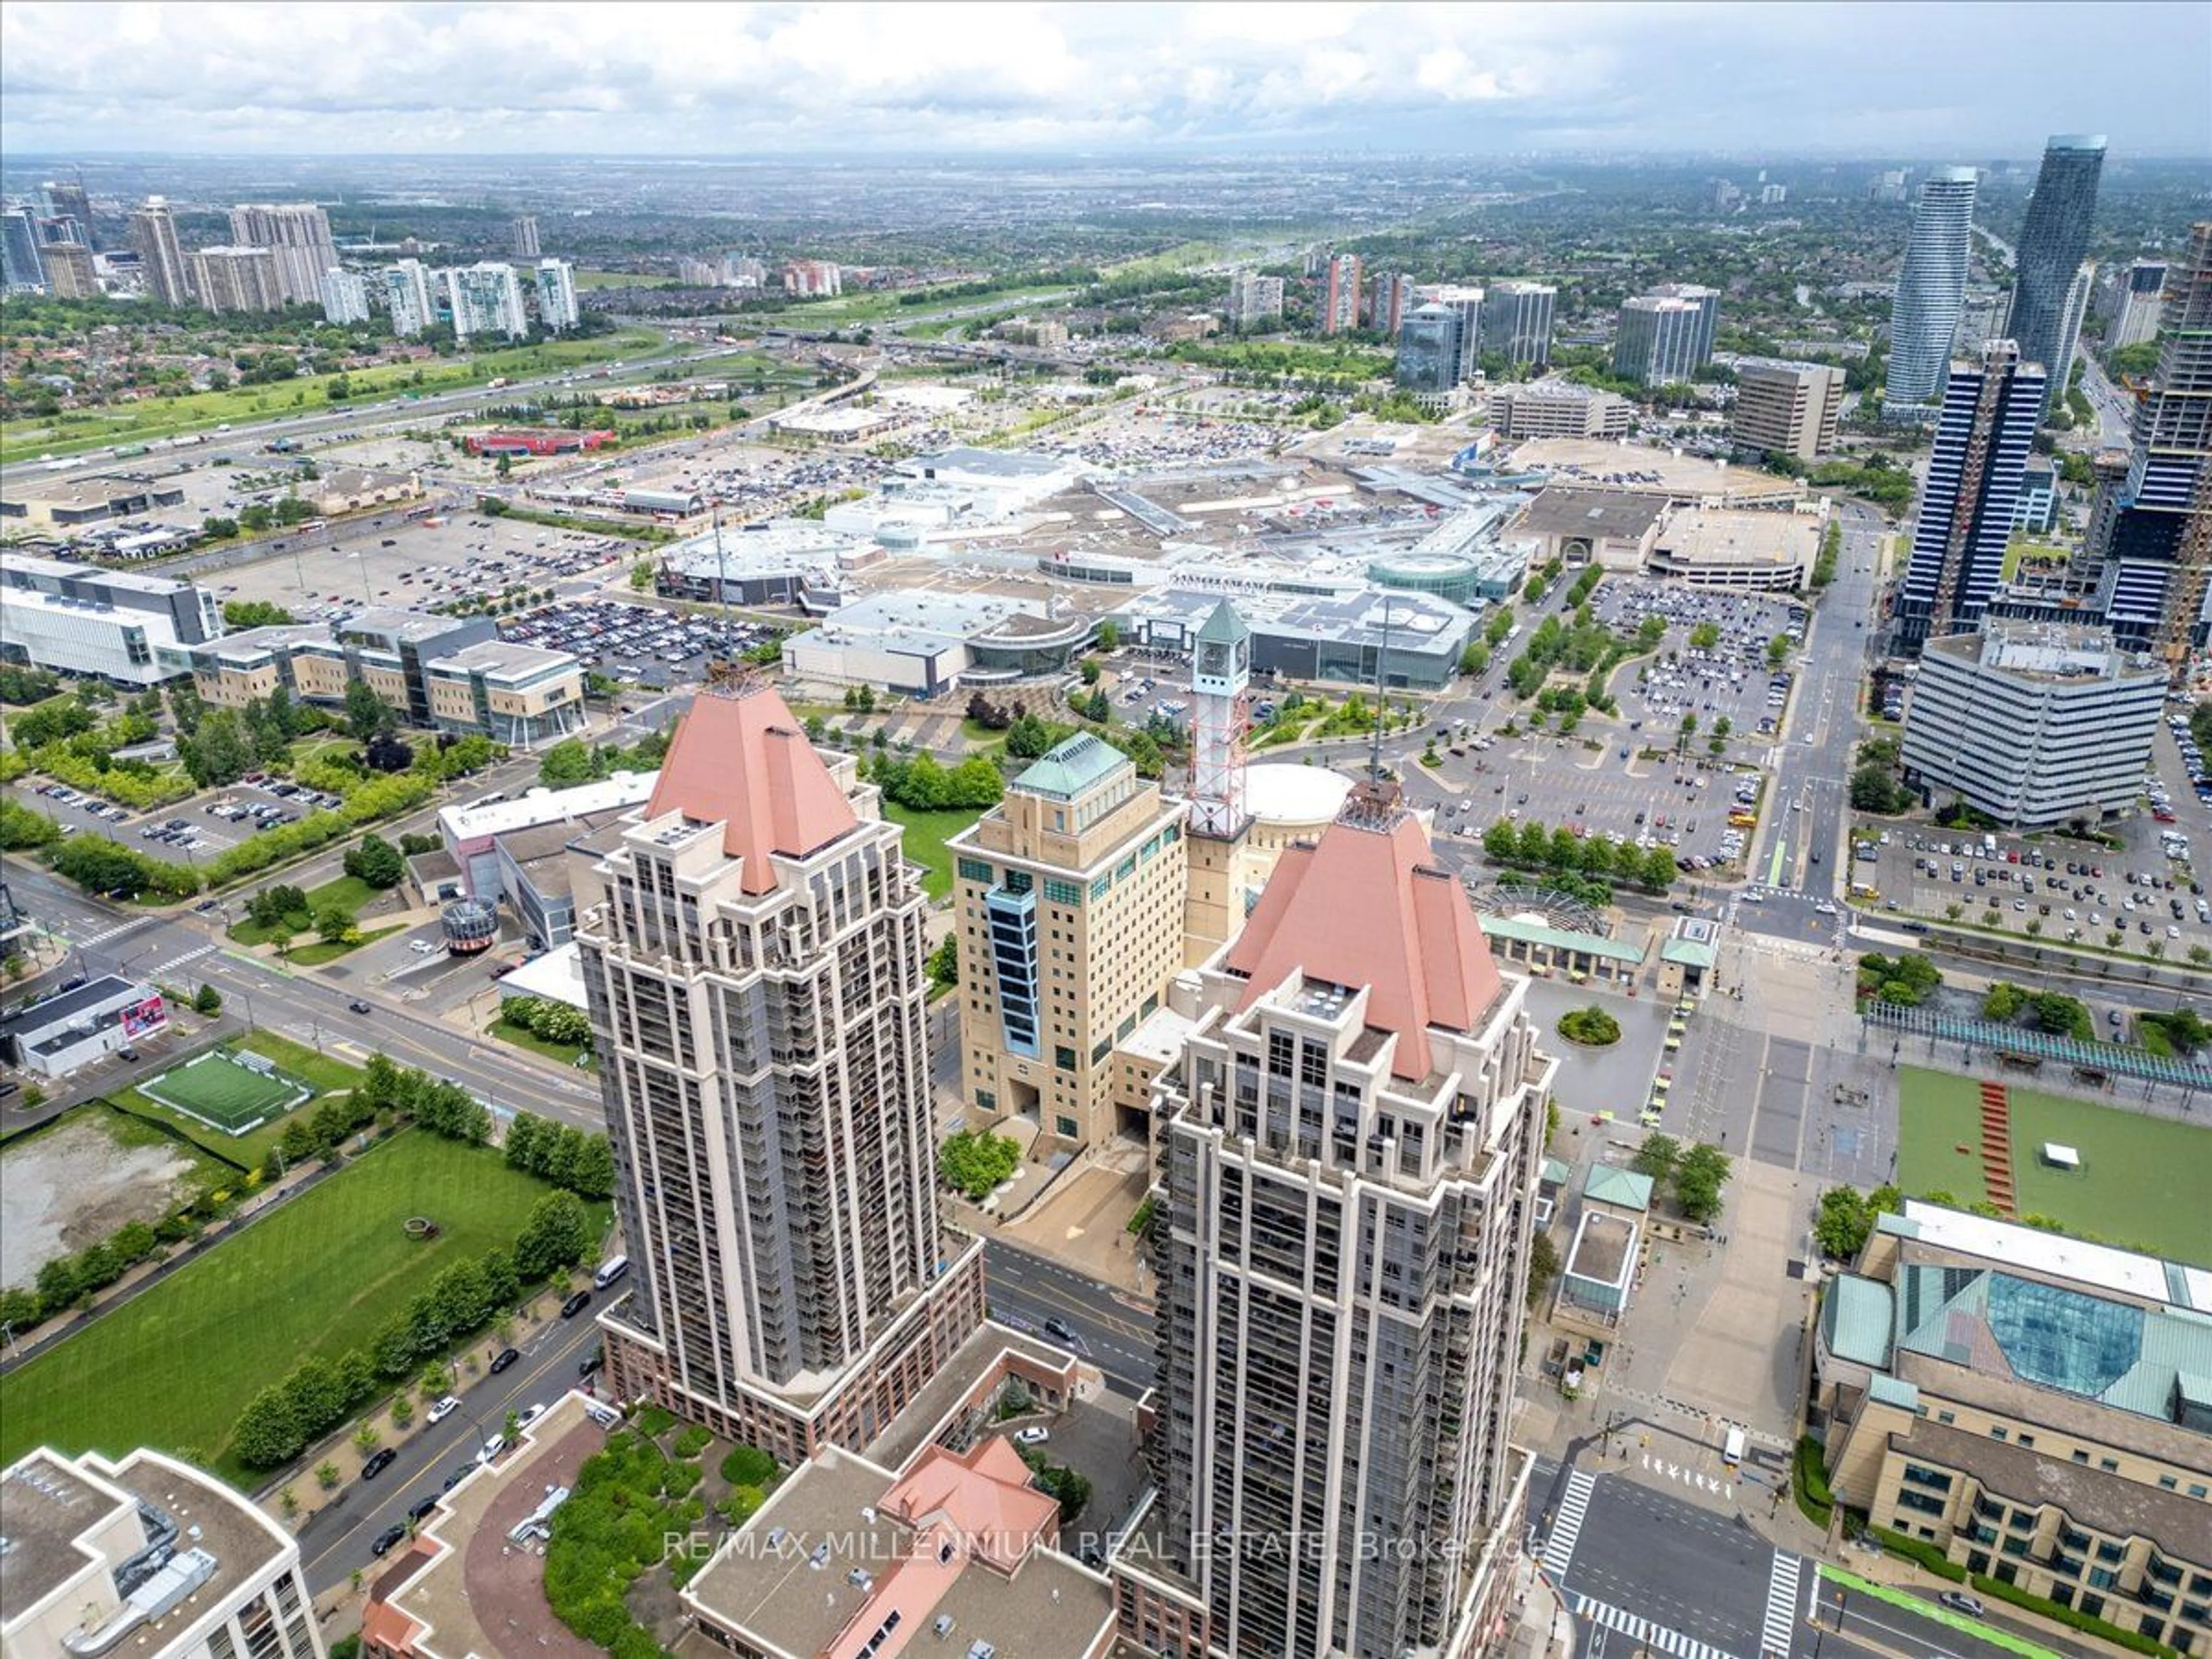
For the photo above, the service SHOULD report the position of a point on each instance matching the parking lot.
(1598, 789)
(1729, 679)
(2068, 890)
(635, 642)
(417, 563)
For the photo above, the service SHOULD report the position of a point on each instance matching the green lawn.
(2142, 1182)
(502, 1030)
(324, 950)
(75, 430)
(926, 835)
(174, 1367)
(246, 1152)
(349, 892)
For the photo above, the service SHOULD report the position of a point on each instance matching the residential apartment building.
(1068, 904)
(113, 625)
(144, 1555)
(71, 272)
(1340, 307)
(2032, 1405)
(2047, 260)
(1558, 408)
(1924, 317)
(2155, 551)
(1656, 341)
(813, 279)
(1351, 1141)
(1389, 295)
(153, 235)
(2138, 295)
(522, 237)
(2032, 724)
(298, 236)
(1254, 301)
(344, 296)
(1466, 304)
(21, 269)
(1971, 495)
(486, 298)
(1517, 321)
(407, 298)
(2071, 316)
(557, 309)
(236, 279)
(74, 203)
(751, 944)
(1787, 409)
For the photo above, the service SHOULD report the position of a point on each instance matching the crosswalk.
(1567, 1525)
(177, 961)
(1647, 1635)
(107, 934)
(1780, 1624)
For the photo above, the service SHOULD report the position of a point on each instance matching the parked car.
(1034, 1435)
(505, 1357)
(388, 1540)
(415, 1514)
(377, 1463)
(445, 1406)
(1959, 1602)
(529, 1414)
(576, 1305)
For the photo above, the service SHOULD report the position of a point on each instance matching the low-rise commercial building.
(2034, 1406)
(113, 625)
(53, 1037)
(1339, 638)
(86, 502)
(1787, 409)
(1558, 408)
(473, 835)
(1067, 908)
(522, 695)
(144, 1555)
(1611, 528)
(354, 489)
(923, 643)
(784, 562)
(1744, 552)
(2032, 724)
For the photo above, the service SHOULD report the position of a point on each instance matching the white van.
(1732, 1448)
(609, 1272)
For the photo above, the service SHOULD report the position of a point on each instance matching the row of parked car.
(69, 797)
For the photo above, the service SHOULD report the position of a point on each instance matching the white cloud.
(372, 75)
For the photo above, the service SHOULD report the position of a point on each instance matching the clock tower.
(1220, 669)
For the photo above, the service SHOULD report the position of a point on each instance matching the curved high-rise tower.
(1925, 315)
(2053, 244)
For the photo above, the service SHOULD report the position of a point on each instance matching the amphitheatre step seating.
(1997, 1146)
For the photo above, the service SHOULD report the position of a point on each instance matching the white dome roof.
(1279, 793)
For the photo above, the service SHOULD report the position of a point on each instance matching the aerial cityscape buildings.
(153, 234)
(1787, 408)
(1517, 321)
(298, 236)
(2053, 245)
(1923, 320)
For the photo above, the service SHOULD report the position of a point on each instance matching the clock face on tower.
(1213, 661)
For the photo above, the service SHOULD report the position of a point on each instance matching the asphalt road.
(335, 1541)
(1026, 1289)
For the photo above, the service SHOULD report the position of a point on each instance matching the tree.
(1657, 1156)
(253, 613)
(1700, 1174)
(568, 761)
(974, 1161)
(557, 1235)
(334, 924)
(943, 964)
(1109, 636)
(1704, 636)
(591, 1172)
(366, 714)
(267, 1433)
(207, 1000)
(376, 862)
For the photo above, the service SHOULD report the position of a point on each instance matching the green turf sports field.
(174, 1367)
(2142, 1179)
(222, 1091)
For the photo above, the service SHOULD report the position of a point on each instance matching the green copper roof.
(1223, 627)
(1855, 1318)
(1067, 769)
(1624, 1189)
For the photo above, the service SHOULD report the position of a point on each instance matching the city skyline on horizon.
(1081, 80)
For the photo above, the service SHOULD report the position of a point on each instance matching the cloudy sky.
(621, 77)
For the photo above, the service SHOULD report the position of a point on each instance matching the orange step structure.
(1996, 1147)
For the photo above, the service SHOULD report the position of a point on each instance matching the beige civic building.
(2037, 1407)
(1068, 902)
(1787, 408)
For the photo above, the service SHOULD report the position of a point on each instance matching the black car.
(576, 1305)
(505, 1357)
(1058, 1331)
(386, 1540)
(459, 1475)
(594, 1362)
(357, 1006)
(415, 1514)
(377, 1463)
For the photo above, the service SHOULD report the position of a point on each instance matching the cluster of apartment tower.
(1346, 1125)
(283, 254)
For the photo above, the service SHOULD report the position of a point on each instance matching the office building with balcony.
(1787, 409)
(1924, 317)
(486, 298)
(2048, 259)
(71, 202)
(751, 944)
(1350, 1146)
(1517, 321)
(72, 272)
(2033, 725)
(2033, 1406)
(1971, 496)
(236, 279)
(147, 1556)
(1068, 905)
(114, 625)
(407, 298)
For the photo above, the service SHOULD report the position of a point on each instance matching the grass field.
(926, 835)
(2142, 1182)
(349, 893)
(174, 1367)
(246, 1152)
(75, 431)
(224, 1091)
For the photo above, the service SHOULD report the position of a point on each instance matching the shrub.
(1921, 1551)
(1809, 1484)
(692, 1441)
(748, 1466)
(1592, 1027)
(2073, 1618)
(974, 1161)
